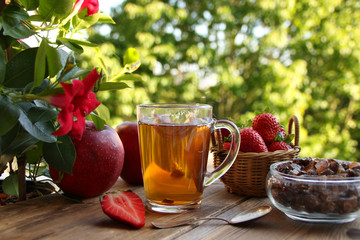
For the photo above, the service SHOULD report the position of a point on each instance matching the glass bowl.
(315, 190)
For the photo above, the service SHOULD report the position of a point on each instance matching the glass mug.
(174, 145)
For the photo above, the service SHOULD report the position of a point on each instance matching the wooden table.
(55, 217)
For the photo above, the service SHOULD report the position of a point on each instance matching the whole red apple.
(98, 164)
(128, 133)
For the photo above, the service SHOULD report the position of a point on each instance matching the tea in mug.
(174, 159)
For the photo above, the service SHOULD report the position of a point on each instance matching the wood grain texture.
(54, 217)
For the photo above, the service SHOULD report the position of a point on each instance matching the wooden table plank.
(275, 225)
(54, 217)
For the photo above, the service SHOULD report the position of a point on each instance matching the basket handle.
(216, 139)
(294, 120)
(230, 158)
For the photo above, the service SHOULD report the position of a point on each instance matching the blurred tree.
(241, 56)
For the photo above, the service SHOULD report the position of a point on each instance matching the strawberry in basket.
(272, 132)
(265, 135)
(263, 142)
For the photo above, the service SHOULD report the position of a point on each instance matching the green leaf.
(9, 115)
(127, 77)
(99, 116)
(10, 185)
(105, 86)
(103, 112)
(29, 4)
(41, 114)
(104, 18)
(75, 72)
(80, 20)
(60, 9)
(2, 66)
(20, 69)
(8, 138)
(77, 42)
(129, 68)
(131, 60)
(40, 64)
(131, 56)
(44, 85)
(288, 139)
(11, 19)
(60, 155)
(98, 121)
(53, 61)
(39, 130)
(20, 143)
(36, 18)
(34, 155)
(72, 46)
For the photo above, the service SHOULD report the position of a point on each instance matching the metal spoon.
(245, 216)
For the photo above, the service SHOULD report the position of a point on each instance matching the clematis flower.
(78, 101)
(91, 5)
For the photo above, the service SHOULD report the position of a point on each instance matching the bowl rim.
(312, 178)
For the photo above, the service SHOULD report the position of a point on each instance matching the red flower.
(78, 101)
(91, 5)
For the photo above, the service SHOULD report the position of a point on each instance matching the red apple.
(128, 133)
(98, 164)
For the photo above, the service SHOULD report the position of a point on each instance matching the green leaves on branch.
(59, 9)
(80, 21)
(104, 18)
(60, 155)
(47, 58)
(20, 69)
(100, 116)
(32, 65)
(9, 115)
(75, 44)
(11, 22)
(10, 185)
(29, 4)
(39, 130)
(131, 60)
(2, 66)
(105, 86)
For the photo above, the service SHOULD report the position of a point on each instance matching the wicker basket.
(247, 175)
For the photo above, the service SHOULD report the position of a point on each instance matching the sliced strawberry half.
(125, 207)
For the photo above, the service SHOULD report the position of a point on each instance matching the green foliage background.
(241, 56)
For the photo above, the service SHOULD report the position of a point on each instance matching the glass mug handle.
(231, 157)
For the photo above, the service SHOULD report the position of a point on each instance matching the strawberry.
(251, 141)
(267, 125)
(278, 146)
(282, 133)
(227, 145)
(126, 207)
